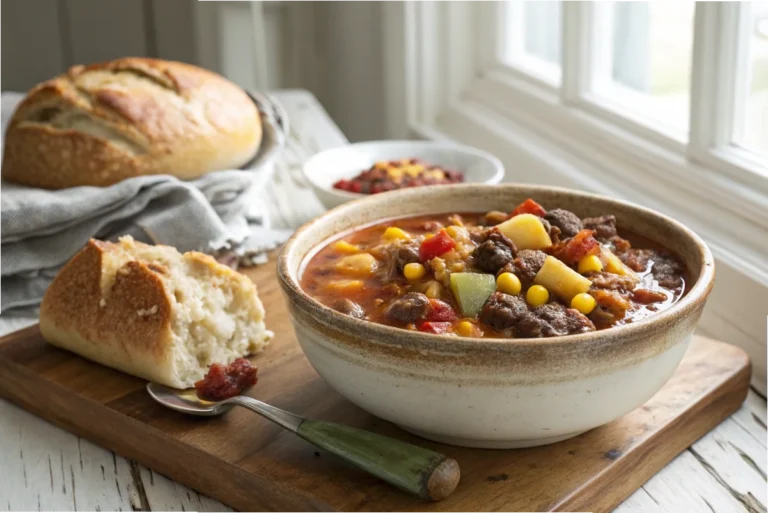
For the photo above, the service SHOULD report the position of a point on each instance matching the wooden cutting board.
(250, 464)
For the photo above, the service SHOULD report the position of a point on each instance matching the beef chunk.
(568, 222)
(551, 320)
(526, 265)
(637, 259)
(409, 308)
(503, 311)
(477, 234)
(553, 231)
(611, 307)
(396, 255)
(493, 254)
(603, 226)
(611, 281)
(665, 268)
(668, 271)
(349, 307)
(647, 296)
(407, 254)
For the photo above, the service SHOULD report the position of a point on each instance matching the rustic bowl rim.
(419, 341)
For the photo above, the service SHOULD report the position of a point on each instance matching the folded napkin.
(218, 214)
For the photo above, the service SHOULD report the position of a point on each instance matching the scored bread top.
(102, 123)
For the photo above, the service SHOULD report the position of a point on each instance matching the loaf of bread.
(153, 312)
(103, 123)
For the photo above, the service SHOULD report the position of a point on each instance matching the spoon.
(415, 470)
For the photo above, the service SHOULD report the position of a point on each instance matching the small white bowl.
(345, 162)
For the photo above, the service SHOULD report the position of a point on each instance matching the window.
(532, 38)
(687, 76)
(751, 127)
(643, 59)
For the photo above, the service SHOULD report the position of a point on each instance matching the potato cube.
(343, 287)
(560, 279)
(526, 231)
(361, 264)
(343, 246)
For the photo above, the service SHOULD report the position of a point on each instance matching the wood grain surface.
(248, 463)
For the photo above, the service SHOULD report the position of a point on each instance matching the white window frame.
(455, 87)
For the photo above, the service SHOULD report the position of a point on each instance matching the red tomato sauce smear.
(225, 381)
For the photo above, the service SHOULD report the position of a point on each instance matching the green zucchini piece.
(472, 290)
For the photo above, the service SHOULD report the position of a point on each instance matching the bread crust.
(103, 123)
(119, 312)
(74, 317)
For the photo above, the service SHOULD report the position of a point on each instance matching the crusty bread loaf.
(103, 123)
(153, 312)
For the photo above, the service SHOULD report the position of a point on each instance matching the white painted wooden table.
(45, 468)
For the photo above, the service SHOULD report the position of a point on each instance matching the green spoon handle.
(418, 471)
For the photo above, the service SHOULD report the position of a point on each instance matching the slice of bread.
(153, 312)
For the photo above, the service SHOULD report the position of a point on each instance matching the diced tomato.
(440, 311)
(436, 246)
(435, 327)
(529, 207)
(580, 245)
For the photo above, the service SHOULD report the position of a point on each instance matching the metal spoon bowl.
(418, 471)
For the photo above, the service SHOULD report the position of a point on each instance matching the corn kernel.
(382, 164)
(584, 303)
(413, 170)
(434, 290)
(429, 236)
(537, 295)
(414, 271)
(395, 174)
(508, 283)
(457, 233)
(465, 329)
(343, 246)
(395, 233)
(590, 263)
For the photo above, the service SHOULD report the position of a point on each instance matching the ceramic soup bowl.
(494, 393)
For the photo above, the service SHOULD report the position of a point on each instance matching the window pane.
(531, 38)
(646, 65)
(753, 130)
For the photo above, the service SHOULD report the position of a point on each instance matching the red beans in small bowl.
(386, 176)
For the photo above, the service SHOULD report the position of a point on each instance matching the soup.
(528, 273)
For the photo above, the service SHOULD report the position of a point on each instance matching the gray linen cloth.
(218, 214)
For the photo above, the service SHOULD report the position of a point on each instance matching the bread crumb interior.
(215, 314)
